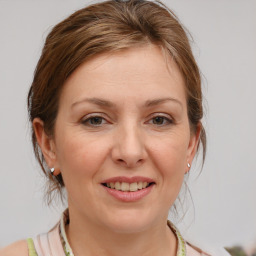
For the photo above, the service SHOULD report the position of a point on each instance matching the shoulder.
(19, 248)
(196, 251)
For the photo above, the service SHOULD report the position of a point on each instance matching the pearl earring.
(52, 170)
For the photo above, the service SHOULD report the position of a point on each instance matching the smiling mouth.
(128, 187)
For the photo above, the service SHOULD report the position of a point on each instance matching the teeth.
(144, 184)
(117, 186)
(124, 186)
(134, 186)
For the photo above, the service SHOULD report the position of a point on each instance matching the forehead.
(136, 72)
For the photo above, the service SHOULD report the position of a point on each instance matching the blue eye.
(94, 121)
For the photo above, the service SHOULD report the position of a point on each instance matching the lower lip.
(129, 196)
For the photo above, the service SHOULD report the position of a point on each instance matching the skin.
(145, 132)
(15, 249)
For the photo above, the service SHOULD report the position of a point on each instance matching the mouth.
(128, 187)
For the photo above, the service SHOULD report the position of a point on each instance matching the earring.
(52, 170)
(188, 165)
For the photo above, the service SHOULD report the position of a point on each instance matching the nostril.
(130, 162)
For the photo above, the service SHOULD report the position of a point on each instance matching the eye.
(161, 120)
(94, 121)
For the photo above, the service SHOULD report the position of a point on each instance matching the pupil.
(158, 120)
(96, 120)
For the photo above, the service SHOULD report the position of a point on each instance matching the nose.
(129, 147)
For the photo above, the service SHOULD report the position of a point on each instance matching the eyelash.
(166, 120)
(90, 118)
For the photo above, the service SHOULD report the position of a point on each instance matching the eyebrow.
(106, 103)
(150, 103)
(96, 101)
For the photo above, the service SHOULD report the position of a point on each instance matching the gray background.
(224, 32)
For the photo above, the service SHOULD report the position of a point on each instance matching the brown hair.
(109, 26)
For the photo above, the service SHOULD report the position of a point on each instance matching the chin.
(129, 221)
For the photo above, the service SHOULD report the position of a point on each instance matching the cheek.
(80, 157)
(170, 154)
(172, 176)
(169, 157)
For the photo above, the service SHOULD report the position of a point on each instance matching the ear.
(46, 144)
(193, 144)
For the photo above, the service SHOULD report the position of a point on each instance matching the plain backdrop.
(224, 32)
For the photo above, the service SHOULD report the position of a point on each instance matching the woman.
(116, 109)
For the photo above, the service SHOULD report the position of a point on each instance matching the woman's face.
(122, 123)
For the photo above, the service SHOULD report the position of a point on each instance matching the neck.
(88, 239)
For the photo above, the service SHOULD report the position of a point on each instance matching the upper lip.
(128, 179)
